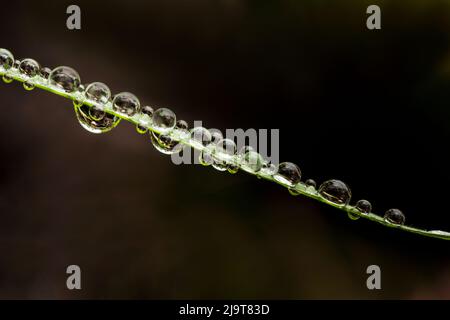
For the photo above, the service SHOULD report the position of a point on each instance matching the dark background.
(368, 107)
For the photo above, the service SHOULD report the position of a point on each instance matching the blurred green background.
(368, 107)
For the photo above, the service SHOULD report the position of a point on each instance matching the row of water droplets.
(98, 111)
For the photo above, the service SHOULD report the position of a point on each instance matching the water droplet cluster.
(98, 111)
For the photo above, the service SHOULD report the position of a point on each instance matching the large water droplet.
(288, 174)
(225, 147)
(6, 59)
(335, 191)
(98, 92)
(252, 161)
(29, 67)
(395, 216)
(164, 120)
(165, 144)
(65, 78)
(126, 104)
(107, 123)
(201, 135)
(363, 206)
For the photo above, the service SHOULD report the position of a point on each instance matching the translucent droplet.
(165, 144)
(107, 123)
(29, 67)
(353, 216)
(164, 120)
(288, 174)
(181, 124)
(45, 72)
(7, 78)
(141, 129)
(335, 191)
(126, 104)
(363, 206)
(269, 168)
(311, 183)
(28, 85)
(232, 168)
(224, 147)
(252, 161)
(6, 59)
(201, 135)
(293, 191)
(395, 216)
(65, 78)
(147, 110)
(98, 92)
(245, 149)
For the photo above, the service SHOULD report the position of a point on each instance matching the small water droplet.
(252, 161)
(335, 191)
(288, 174)
(269, 168)
(395, 216)
(165, 144)
(29, 67)
(311, 183)
(98, 92)
(65, 78)
(45, 72)
(353, 216)
(147, 110)
(28, 85)
(182, 125)
(201, 135)
(141, 129)
(107, 123)
(6, 59)
(293, 191)
(232, 168)
(363, 206)
(226, 147)
(7, 78)
(16, 64)
(164, 120)
(126, 104)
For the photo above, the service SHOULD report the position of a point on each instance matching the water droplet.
(28, 85)
(126, 104)
(16, 64)
(98, 92)
(29, 67)
(245, 149)
(164, 120)
(353, 216)
(141, 129)
(147, 110)
(252, 161)
(311, 183)
(7, 79)
(224, 147)
(363, 206)
(335, 191)
(395, 216)
(288, 174)
(293, 191)
(232, 168)
(181, 124)
(269, 168)
(6, 59)
(165, 144)
(201, 135)
(107, 123)
(45, 72)
(65, 78)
